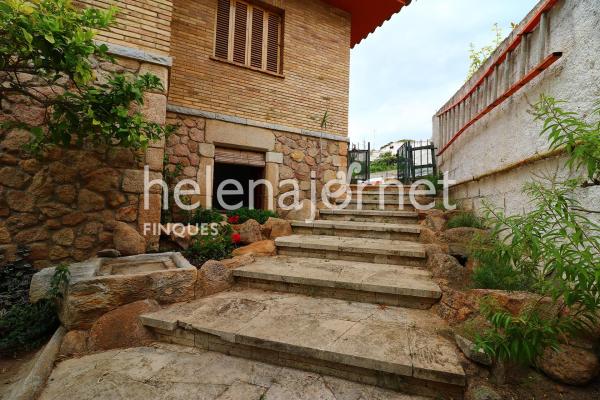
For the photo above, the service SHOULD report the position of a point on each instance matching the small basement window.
(249, 35)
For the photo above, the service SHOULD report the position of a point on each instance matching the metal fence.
(416, 160)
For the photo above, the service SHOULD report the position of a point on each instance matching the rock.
(435, 220)
(303, 213)
(74, 344)
(238, 261)
(213, 277)
(109, 253)
(64, 237)
(127, 240)
(122, 327)
(264, 248)
(14, 177)
(182, 235)
(468, 349)
(90, 201)
(480, 392)
(444, 266)
(250, 232)
(459, 239)
(570, 365)
(276, 227)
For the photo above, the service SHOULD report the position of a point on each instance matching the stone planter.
(100, 285)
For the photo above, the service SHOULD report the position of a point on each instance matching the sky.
(405, 71)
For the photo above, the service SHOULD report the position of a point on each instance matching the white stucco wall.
(509, 133)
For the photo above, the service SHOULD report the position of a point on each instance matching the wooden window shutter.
(256, 51)
(239, 34)
(222, 29)
(273, 42)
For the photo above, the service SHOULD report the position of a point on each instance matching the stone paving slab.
(173, 372)
(393, 340)
(359, 226)
(379, 278)
(353, 245)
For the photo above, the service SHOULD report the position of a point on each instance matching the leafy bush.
(26, 326)
(580, 138)
(465, 220)
(386, 162)
(211, 247)
(205, 216)
(555, 249)
(245, 214)
(54, 41)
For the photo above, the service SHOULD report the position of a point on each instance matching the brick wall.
(142, 24)
(315, 66)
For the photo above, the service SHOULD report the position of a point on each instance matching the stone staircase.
(346, 296)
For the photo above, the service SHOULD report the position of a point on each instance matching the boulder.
(238, 261)
(469, 350)
(276, 227)
(264, 248)
(435, 220)
(213, 277)
(74, 343)
(127, 240)
(459, 239)
(250, 232)
(444, 266)
(303, 213)
(182, 235)
(570, 365)
(122, 327)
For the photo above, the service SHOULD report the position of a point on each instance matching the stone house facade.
(258, 89)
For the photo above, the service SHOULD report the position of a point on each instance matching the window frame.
(267, 9)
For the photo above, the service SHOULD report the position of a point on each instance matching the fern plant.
(569, 130)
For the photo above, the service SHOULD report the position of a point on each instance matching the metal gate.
(416, 160)
(362, 157)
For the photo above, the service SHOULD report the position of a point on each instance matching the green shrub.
(245, 214)
(495, 272)
(465, 220)
(555, 250)
(211, 247)
(205, 216)
(26, 326)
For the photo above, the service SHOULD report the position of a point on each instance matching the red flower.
(234, 219)
(236, 238)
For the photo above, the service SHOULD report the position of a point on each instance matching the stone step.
(365, 204)
(390, 347)
(372, 230)
(393, 217)
(378, 251)
(370, 283)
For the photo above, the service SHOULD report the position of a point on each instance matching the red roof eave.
(367, 16)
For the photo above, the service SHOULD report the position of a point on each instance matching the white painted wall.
(509, 133)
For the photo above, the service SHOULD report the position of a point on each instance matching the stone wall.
(316, 68)
(288, 155)
(509, 134)
(65, 205)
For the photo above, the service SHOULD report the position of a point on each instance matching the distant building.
(391, 147)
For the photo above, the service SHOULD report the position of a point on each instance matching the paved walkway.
(170, 372)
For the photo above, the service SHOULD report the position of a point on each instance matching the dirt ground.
(13, 370)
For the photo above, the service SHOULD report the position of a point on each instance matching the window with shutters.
(249, 35)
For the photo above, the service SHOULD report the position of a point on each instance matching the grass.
(465, 220)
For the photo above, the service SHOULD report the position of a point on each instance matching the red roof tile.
(368, 15)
